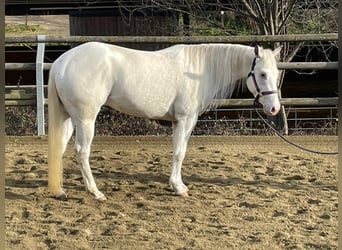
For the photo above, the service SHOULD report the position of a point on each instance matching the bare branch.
(293, 52)
(275, 11)
(285, 18)
(249, 10)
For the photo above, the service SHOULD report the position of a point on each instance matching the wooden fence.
(34, 95)
(177, 39)
(27, 96)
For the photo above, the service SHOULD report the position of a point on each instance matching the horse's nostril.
(273, 110)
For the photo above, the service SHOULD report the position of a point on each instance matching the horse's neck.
(234, 64)
(240, 60)
(220, 67)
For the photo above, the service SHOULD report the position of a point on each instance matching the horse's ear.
(257, 51)
(276, 52)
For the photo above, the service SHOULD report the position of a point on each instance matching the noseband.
(259, 92)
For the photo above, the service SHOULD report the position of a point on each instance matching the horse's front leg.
(182, 129)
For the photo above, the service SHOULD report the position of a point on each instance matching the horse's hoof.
(61, 196)
(101, 198)
(183, 194)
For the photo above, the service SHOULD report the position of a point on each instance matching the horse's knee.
(179, 156)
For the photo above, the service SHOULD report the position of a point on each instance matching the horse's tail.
(57, 116)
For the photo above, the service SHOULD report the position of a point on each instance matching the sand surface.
(245, 193)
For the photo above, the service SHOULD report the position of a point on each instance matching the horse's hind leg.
(84, 137)
(68, 129)
(67, 133)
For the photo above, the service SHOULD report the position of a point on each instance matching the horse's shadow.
(146, 178)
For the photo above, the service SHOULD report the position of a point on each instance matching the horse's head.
(262, 79)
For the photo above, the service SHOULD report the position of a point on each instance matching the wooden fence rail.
(26, 96)
(177, 39)
(281, 65)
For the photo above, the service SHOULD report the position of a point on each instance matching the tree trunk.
(186, 24)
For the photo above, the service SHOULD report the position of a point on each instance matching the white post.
(40, 83)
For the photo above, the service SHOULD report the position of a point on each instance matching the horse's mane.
(220, 68)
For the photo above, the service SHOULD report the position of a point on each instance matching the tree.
(263, 17)
(276, 17)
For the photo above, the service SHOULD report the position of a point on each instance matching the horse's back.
(139, 83)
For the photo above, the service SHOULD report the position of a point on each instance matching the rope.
(284, 138)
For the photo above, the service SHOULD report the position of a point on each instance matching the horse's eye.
(263, 75)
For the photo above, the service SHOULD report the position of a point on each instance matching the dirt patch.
(245, 193)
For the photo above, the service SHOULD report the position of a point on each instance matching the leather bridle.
(256, 103)
(259, 92)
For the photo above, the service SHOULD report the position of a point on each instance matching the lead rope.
(256, 102)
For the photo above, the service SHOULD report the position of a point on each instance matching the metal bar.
(40, 84)
(296, 121)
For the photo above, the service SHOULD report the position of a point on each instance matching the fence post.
(40, 83)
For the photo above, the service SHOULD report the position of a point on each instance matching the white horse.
(175, 84)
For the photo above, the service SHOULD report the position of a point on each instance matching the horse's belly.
(153, 108)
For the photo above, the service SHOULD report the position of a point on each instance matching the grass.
(22, 29)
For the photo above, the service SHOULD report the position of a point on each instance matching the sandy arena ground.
(245, 193)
